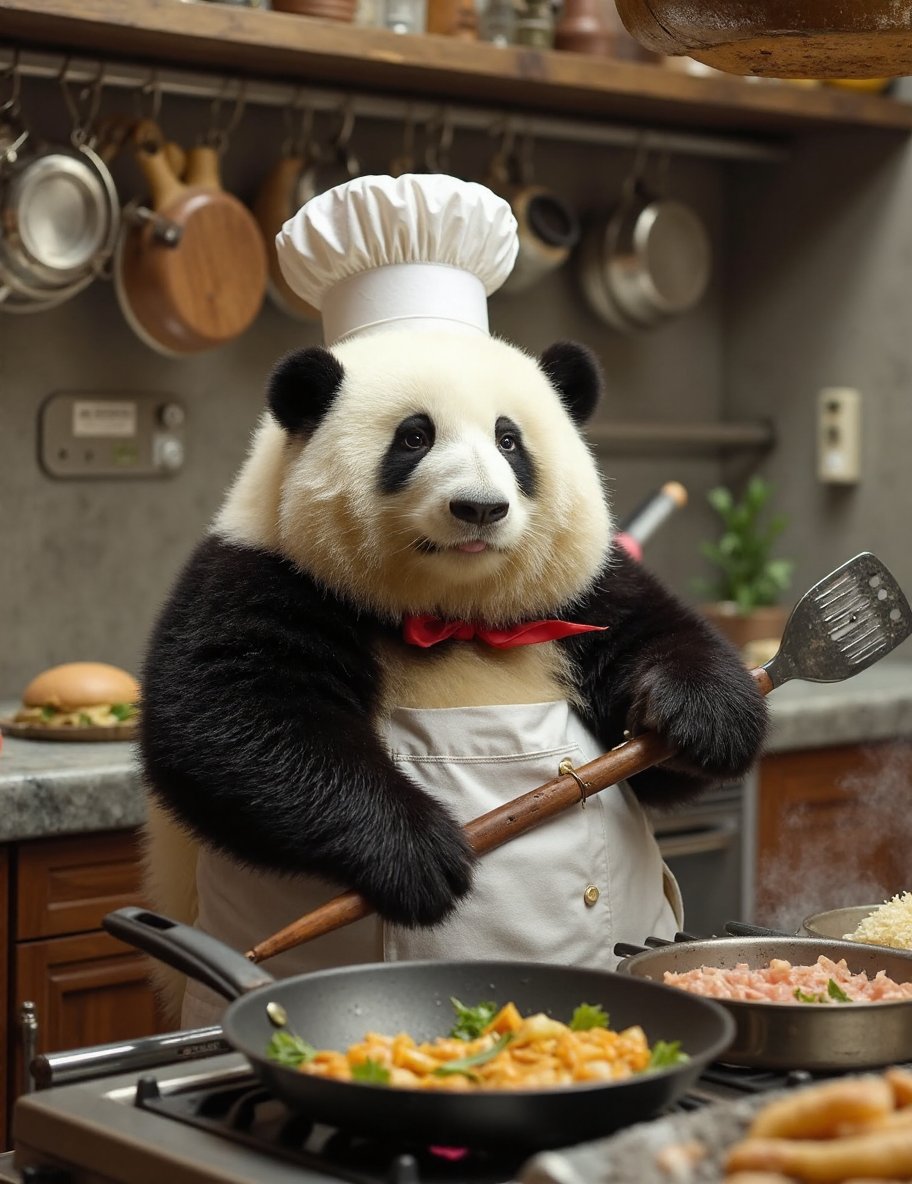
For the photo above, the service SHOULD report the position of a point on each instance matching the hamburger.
(80, 695)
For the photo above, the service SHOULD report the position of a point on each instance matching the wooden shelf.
(252, 43)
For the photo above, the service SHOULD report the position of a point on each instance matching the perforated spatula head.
(854, 617)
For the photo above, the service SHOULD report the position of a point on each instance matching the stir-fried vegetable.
(489, 1048)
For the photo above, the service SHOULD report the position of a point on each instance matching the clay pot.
(761, 625)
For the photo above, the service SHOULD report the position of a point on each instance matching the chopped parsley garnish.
(665, 1055)
(123, 711)
(472, 1021)
(372, 1072)
(834, 991)
(290, 1050)
(588, 1016)
(466, 1064)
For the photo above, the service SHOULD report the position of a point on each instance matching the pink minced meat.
(778, 982)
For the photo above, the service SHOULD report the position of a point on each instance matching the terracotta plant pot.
(763, 624)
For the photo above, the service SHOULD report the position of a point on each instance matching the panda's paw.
(716, 725)
(425, 873)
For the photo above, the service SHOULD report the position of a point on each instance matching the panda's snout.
(479, 513)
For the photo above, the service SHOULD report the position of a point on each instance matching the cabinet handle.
(28, 1032)
(697, 842)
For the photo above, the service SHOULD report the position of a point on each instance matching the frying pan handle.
(742, 929)
(624, 949)
(197, 954)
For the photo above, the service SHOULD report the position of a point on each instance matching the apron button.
(591, 895)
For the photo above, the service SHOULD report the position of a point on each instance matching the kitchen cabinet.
(827, 829)
(86, 987)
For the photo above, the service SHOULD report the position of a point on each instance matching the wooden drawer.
(67, 885)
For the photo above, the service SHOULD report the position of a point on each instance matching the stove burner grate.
(245, 1112)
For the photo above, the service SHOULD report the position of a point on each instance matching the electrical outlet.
(839, 435)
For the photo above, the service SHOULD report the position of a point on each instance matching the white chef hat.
(416, 251)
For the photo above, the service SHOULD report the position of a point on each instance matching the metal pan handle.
(204, 958)
(742, 929)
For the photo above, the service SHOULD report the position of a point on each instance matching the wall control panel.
(839, 435)
(122, 434)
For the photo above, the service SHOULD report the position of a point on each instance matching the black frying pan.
(334, 1008)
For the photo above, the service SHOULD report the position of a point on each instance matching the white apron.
(564, 892)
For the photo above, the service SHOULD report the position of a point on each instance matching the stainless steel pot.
(836, 923)
(801, 1035)
(648, 261)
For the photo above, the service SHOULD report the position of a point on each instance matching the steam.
(858, 857)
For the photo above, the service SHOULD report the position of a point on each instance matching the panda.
(296, 743)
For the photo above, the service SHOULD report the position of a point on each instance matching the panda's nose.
(479, 513)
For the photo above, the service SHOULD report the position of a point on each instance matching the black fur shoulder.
(662, 667)
(260, 692)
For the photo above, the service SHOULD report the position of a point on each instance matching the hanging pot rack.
(144, 81)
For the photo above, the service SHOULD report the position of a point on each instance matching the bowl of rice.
(887, 924)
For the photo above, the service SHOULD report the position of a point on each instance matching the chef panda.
(410, 610)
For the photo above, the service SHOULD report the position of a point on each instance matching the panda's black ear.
(302, 388)
(576, 374)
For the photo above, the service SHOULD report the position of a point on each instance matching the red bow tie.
(428, 630)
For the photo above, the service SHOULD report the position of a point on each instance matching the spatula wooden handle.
(498, 826)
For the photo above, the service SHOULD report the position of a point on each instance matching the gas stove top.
(210, 1119)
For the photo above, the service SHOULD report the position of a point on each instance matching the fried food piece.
(901, 1083)
(759, 1178)
(884, 1153)
(818, 1113)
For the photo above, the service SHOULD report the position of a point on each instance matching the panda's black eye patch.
(412, 440)
(510, 442)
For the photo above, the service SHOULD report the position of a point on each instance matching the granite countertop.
(52, 787)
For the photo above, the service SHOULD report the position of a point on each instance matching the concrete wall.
(84, 565)
(820, 294)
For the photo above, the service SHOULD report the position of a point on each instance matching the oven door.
(703, 844)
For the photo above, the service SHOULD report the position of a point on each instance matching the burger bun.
(81, 684)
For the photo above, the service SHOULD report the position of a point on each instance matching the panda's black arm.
(660, 666)
(257, 732)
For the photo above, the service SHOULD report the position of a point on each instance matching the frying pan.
(191, 273)
(334, 1008)
(800, 1035)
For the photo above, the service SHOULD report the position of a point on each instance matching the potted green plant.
(744, 597)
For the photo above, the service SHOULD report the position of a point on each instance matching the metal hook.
(566, 768)
(83, 107)
(339, 146)
(218, 136)
(11, 71)
(299, 120)
(437, 152)
(501, 166)
(150, 89)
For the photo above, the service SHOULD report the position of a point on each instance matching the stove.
(175, 1110)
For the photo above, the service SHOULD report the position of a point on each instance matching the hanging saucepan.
(59, 210)
(277, 200)
(653, 257)
(815, 1036)
(334, 1008)
(190, 272)
(305, 169)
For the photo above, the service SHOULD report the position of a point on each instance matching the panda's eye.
(507, 442)
(413, 439)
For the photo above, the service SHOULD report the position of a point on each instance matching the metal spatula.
(847, 622)
(844, 624)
